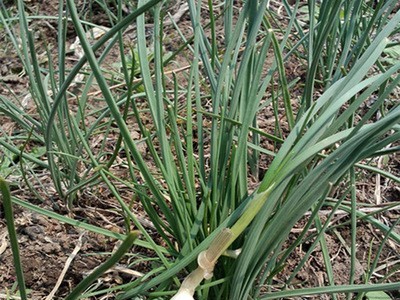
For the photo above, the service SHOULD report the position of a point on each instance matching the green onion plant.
(205, 140)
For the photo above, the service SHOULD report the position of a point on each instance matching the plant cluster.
(204, 143)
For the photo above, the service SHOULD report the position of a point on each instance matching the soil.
(47, 246)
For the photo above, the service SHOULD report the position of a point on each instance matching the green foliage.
(6, 163)
(393, 54)
(377, 296)
(12, 233)
(201, 151)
